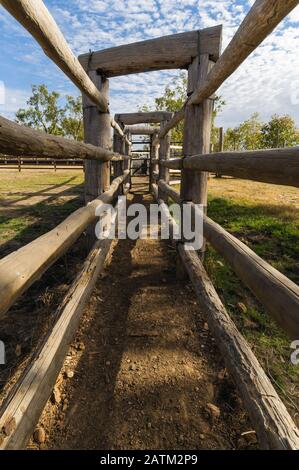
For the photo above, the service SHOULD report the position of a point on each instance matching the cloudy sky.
(268, 82)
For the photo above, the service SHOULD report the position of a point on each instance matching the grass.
(33, 202)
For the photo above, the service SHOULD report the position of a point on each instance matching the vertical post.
(164, 154)
(153, 153)
(197, 134)
(97, 131)
(127, 163)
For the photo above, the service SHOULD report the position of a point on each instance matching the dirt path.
(143, 371)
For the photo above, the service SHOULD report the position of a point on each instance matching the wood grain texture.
(277, 166)
(168, 52)
(141, 130)
(164, 154)
(36, 19)
(20, 269)
(22, 140)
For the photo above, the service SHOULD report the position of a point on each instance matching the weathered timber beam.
(277, 166)
(30, 395)
(35, 17)
(274, 426)
(153, 117)
(261, 20)
(278, 294)
(22, 140)
(20, 269)
(141, 130)
(168, 52)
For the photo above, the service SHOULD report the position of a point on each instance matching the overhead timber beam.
(141, 130)
(168, 52)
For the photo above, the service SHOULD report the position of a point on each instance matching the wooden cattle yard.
(200, 53)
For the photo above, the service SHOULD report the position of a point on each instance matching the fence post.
(153, 156)
(164, 154)
(197, 134)
(97, 131)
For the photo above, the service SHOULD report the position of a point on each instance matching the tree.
(72, 122)
(279, 132)
(246, 136)
(173, 99)
(45, 113)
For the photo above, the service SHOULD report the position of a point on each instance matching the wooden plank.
(167, 52)
(35, 17)
(277, 166)
(29, 397)
(278, 294)
(20, 269)
(141, 130)
(274, 426)
(152, 117)
(22, 140)
(269, 416)
(261, 20)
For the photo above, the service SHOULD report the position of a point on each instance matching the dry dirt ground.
(143, 371)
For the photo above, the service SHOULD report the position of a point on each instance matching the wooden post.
(197, 134)
(127, 163)
(153, 155)
(97, 131)
(164, 154)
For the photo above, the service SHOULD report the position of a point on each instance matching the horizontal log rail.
(20, 269)
(261, 20)
(152, 117)
(278, 294)
(273, 424)
(37, 20)
(276, 166)
(141, 130)
(20, 140)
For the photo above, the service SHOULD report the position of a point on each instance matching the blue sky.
(268, 82)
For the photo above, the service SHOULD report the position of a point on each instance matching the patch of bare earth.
(144, 371)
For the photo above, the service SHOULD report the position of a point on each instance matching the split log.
(35, 17)
(22, 140)
(29, 397)
(173, 163)
(277, 166)
(20, 269)
(167, 52)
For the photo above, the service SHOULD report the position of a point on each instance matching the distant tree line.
(46, 111)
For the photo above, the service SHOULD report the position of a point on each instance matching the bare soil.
(144, 371)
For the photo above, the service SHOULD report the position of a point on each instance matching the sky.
(267, 82)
